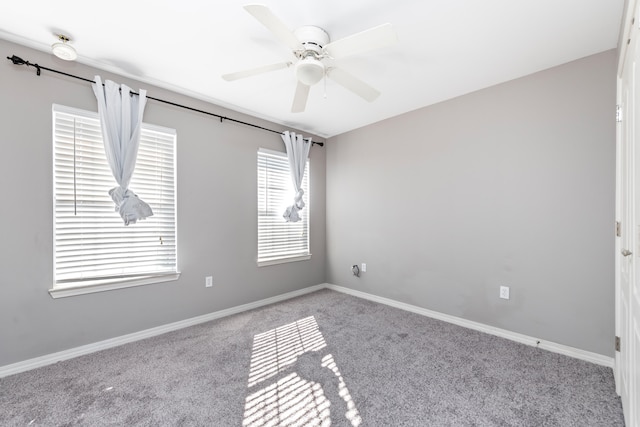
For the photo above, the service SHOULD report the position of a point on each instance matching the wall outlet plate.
(504, 292)
(208, 281)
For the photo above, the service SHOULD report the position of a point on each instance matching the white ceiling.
(446, 48)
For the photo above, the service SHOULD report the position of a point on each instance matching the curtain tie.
(298, 199)
(130, 207)
(291, 214)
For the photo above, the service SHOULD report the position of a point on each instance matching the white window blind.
(91, 242)
(280, 241)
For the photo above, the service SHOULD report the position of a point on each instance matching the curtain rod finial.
(16, 60)
(19, 61)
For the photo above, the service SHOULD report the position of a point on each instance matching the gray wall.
(217, 204)
(512, 185)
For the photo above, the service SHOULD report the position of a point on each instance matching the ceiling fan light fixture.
(309, 70)
(63, 50)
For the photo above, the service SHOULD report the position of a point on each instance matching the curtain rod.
(19, 61)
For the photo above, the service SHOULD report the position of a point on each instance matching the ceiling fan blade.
(353, 84)
(300, 98)
(373, 38)
(275, 25)
(255, 71)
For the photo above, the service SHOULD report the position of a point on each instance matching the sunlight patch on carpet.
(295, 396)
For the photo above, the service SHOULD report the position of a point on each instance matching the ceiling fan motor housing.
(309, 69)
(312, 38)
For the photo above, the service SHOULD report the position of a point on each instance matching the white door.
(625, 241)
(625, 260)
(631, 295)
(625, 257)
(628, 215)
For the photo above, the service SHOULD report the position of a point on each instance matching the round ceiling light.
(63, 50)
(309, 70)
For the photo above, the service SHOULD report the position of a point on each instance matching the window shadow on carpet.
(294, 381)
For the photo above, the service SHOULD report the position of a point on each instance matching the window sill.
(92, 286)
(283, 260)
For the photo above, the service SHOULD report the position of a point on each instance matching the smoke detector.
(63, 50)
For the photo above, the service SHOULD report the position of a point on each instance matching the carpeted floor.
(321, 359)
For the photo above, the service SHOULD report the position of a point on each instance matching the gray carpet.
(321, 359)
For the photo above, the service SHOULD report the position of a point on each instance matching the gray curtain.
(121, 118)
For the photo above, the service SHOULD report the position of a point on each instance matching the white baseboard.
(588, 356)
(49, 359)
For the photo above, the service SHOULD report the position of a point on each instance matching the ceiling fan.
(311, 46)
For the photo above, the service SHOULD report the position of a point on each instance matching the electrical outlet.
(208, 281)
(504, 292)
(364, 267)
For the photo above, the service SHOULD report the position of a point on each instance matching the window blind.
(278, 240)
(91, 242)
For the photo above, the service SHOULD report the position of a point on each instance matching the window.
(93, 249)
(280, 241)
